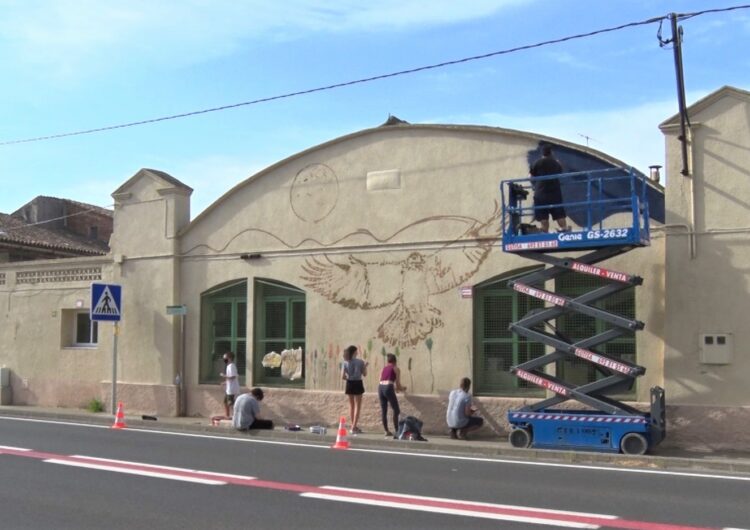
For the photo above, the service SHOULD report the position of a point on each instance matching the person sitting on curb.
(460, 414)
(247, 412)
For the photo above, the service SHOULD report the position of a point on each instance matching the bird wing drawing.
(442, 277)
(405, 284)
(355, 284)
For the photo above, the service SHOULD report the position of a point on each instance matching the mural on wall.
(290, 362)
(405, 285)
(314, 192)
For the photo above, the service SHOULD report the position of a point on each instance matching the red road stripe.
(591, 519)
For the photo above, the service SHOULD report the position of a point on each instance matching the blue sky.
(71, 65)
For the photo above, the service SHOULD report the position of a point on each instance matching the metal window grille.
(496, 347)
(280, 324)
(224, 329)
(576, 326)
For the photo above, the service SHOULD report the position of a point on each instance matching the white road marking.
(140, 472)
(11, 448)
(449, 511)
(464, 508)
(392, 452)
(167, 468)
(489, 505)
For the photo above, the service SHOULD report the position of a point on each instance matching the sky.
(75, 65)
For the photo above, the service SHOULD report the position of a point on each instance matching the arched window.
(496, 348)
(223, 329)
(279, 325)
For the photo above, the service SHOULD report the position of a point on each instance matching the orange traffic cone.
(341, 440)
(119, 418)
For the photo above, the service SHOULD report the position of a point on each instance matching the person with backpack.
(460, 414)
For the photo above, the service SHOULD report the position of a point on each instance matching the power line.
(7, 229)
(653, 20)
(333, 86)
(685, 16)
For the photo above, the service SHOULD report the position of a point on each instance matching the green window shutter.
(496, 348)
(223, 329)
(280, 325)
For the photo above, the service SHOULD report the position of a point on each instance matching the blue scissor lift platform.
(613, 218)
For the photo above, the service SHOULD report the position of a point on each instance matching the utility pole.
(684, 120)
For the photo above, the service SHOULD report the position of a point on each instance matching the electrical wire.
(660, 19)
(686, 16)
(5, 230)
(338, 85)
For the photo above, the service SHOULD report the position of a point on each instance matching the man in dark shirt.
(547, 192)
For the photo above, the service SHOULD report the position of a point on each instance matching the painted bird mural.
(406, 285)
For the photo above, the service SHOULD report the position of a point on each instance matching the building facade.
(387, 238)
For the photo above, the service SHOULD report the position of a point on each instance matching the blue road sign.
(106, 301)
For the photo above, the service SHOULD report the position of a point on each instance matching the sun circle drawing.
(314, 192)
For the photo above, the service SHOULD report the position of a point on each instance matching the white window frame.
(93, 330)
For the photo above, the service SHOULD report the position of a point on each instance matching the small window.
(709, 339)
(721, 340)
(94, 232)
(78, 330)
(87, 331)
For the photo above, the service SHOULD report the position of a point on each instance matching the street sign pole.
(116, 332)
(181, 311)
(106, 305)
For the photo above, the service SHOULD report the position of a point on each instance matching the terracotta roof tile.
(14, 230)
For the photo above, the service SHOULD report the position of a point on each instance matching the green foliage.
(95, 405)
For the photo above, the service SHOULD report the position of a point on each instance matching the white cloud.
(66, 37)
(92, 189)
(630, 134)
(568, 59)
(213, 176)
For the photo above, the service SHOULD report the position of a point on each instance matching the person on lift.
(547, 192)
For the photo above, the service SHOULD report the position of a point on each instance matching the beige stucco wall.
(37, 301)
(441, 184)
(369, 201)
(707, 293)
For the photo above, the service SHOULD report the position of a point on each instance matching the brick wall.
(82, 223)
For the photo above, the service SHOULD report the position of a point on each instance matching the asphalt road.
(57, 475)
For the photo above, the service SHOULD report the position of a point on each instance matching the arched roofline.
(500, 131)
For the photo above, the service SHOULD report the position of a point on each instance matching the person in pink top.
(390, 383)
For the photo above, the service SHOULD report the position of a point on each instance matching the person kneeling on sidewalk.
(460, 414)
(247, 410)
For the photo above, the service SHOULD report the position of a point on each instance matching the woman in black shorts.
(352, 371)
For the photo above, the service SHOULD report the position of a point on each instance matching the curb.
(478, 448)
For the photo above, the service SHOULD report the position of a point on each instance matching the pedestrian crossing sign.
(106, 301)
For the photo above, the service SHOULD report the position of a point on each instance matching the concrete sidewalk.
(662, 458)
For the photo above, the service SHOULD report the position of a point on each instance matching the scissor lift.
(613, 212)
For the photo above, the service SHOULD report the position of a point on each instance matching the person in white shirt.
(231, 383)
